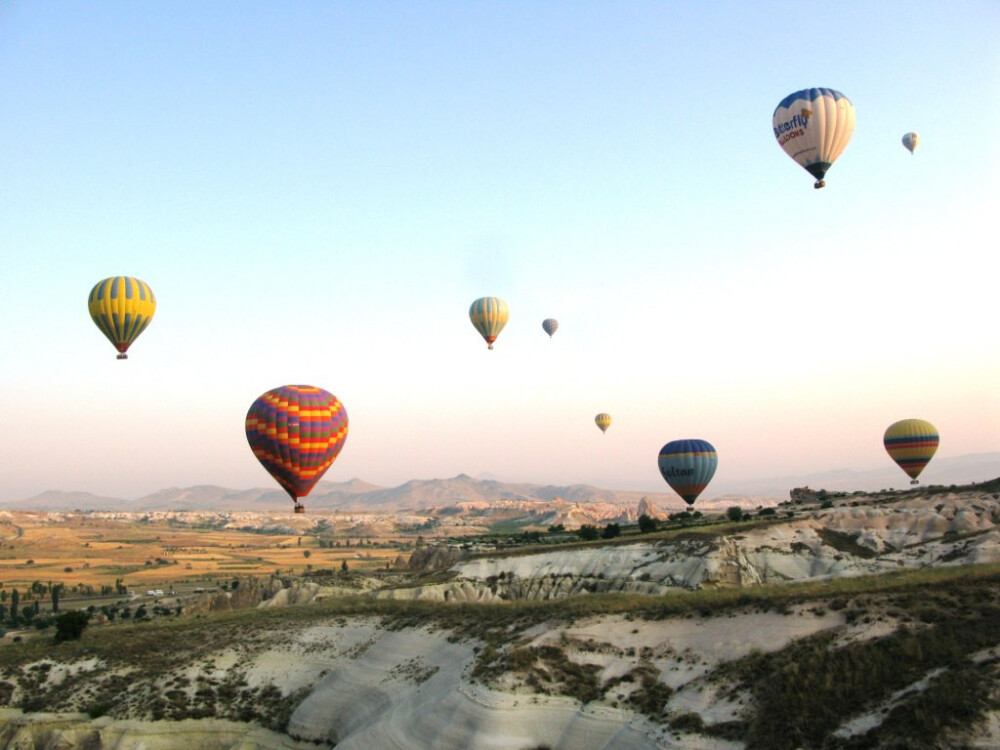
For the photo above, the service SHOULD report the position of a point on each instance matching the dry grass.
(79, 549)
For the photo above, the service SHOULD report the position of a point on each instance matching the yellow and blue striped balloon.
(911, 443)
(122, 308)
(489, 316)
(688, 466)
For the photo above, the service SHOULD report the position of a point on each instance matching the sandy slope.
(410, 689)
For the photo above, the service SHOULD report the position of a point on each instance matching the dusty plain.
(149, 551)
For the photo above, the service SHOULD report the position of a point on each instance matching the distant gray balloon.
(550, 326)
(911, 141)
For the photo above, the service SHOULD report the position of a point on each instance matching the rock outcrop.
(63, 731)
(647, 508)
(840, 541)
(249, 593)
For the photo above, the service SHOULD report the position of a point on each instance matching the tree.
(343, 566)
(735, 513)
(70, 626)
(588, 533)
(611, 531)
(56, 590)
(306, 553)
(647, 524)
(15, 600)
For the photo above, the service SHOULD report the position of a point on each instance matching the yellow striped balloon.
(489, 316)
(911, 443)
(121, 307)
(603, 421)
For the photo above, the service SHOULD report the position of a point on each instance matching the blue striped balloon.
(688, 466)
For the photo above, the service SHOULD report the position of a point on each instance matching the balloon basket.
(300, 508)
(123, 355)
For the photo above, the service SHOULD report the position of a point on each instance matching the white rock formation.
(842, 541)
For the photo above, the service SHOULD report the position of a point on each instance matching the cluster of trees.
(647, 525)
(37, 605)
(589, 533)
(327, 543)
(19, 609)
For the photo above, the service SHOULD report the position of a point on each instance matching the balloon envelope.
(813, 127)
(911, 443)
(550, 326)
(688, 466)
(122, 308)
(296, 432)
(911, 141)
(603, 421)
(489, 316)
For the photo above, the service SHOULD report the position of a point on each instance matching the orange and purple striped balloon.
(296, 432)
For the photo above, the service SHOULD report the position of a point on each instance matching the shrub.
(687, 722)
(734, 513)
(647, 524)
(70, 626)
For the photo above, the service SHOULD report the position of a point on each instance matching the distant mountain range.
(469, 492)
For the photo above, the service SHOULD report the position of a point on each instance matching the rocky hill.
(871, 623)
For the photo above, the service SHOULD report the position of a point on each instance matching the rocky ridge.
(950, 529)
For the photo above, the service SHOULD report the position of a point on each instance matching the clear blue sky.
(317, 191)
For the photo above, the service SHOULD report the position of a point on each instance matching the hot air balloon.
(121, 307)
(603, 421)
(296, 432)
(813, 126)
(911, 443)
(688, 466)
(911, 141)
(489, 316)
(550, 326)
